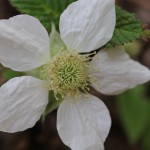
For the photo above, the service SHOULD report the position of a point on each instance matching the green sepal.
(34, 73)
(56, 43)
(53, 103)
(134, 107)
(133, 49)
(128, 28)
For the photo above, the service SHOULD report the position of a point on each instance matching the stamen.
(67, 74)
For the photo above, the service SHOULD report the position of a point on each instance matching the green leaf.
(56, 43)
(52, 104)
(8, 74)
(145, 35)
(128, 28)
(133, 49)
(146, 138)
(134, 112)
(47, 11)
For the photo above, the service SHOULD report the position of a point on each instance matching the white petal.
(24, 43)
(116, 71)
(83, 124)
(88, 24)
(22, 101)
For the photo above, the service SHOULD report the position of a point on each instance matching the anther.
(67, 73)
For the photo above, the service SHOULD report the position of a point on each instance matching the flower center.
(67, 74)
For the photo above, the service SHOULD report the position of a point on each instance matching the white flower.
(83, 123)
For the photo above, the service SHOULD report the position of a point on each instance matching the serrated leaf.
(52, 104)
(47, 11)
(134, 107)
(128, 28)
(56, 43)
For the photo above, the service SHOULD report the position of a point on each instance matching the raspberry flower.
(83, 121)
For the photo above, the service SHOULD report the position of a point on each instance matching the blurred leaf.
(8, 74)
(134, 112)
(133, 49)
(47, 11)
(52, 104)
(56, 43)
(128, 28)
(146, 137)
(145, 35)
